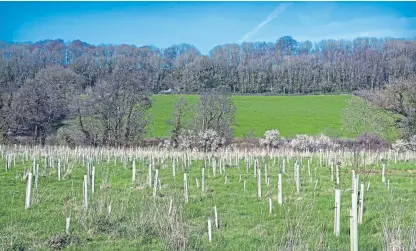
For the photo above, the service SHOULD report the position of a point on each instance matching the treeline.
(100, 93)
(286, 66)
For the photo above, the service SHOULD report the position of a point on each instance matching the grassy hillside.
(290, 114)
(137, 221)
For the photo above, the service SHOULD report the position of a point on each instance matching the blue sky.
(203, 24)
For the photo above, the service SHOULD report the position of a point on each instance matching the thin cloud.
(269, 18)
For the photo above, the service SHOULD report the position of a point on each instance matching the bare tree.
(41, 105)
(179, 120)
(215, 111)
(283, 67)
(115, 111)
(398, 97)
(361, 116)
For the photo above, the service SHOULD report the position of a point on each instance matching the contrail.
(269, 18)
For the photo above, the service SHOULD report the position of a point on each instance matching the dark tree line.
(286, 66)
(45, 85)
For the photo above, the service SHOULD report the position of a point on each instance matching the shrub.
(324, 142)
(412, 143)
(400, 145)
(303, 142)
(370, 141)
(187, 140)
(210, 140)
(271, 138)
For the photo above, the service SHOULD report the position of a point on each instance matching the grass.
(290, 114)
(140, 222)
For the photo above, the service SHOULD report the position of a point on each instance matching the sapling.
(85, 191)
(216, 217)
(185, 183)
(354, 202)
(279, 190)
(149, 175)
(170, 206)
(28, 190)
(203, 180)
(59, 169)
(133, 174)
(209, 230)
(258, 183)
(155, 183)
(337, 212)
(361, 204)
(93, 179)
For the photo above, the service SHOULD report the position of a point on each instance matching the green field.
(140, 222)
(291, 115)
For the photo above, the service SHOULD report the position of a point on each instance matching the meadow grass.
(290, 114)
(140, 222)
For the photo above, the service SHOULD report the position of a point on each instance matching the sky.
(203, 24)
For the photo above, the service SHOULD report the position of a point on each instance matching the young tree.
(361, 116)
(215, 110)
(178, 120)
(398, 98)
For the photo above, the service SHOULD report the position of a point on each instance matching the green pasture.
(290, 114)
